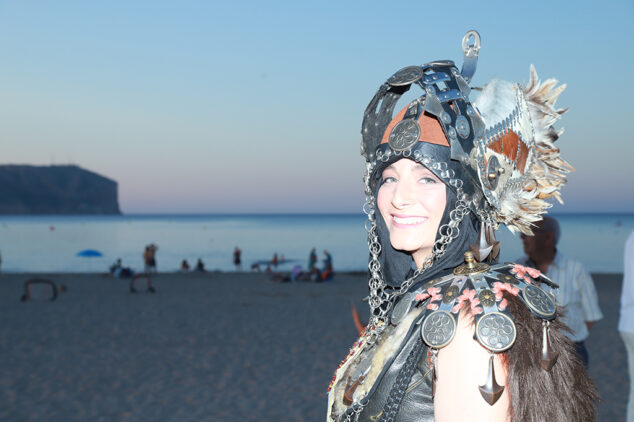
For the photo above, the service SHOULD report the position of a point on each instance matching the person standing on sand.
(452, 335)
(153, 264)
(626, 319)
(146, 259)
(237, 258)
(312, 259)
(576, 289)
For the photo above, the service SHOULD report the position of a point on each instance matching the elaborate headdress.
(496, 154)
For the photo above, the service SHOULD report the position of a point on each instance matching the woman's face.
(412, 201)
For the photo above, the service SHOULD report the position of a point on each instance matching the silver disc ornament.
(406, 76)
(404, 135)
(539, 301)
(496, 331)
(402, 308)
(462, 127)
(438, 329)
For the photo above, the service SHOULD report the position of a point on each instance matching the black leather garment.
(415, 402)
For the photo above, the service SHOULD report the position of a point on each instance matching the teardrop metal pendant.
(491, 390)
(549, 358)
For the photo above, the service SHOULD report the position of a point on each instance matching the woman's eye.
(389, 179)
(428, 180)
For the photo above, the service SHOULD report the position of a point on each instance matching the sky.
(256, 107)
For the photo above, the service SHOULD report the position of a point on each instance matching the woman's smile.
(407, 221)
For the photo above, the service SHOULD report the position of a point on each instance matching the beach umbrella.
(89, 253)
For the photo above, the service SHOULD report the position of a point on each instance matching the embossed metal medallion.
(402, 308)
(405, 76)
(487, 298)
(451, 294)
(538, 301)
(496, 331)
(505, 278)
(438, 329)
(462, 126)
(404, 135)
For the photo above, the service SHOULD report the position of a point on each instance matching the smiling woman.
(453, 335)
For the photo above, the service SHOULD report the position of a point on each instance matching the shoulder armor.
(482, 287)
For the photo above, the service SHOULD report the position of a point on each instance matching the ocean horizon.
(50, 243)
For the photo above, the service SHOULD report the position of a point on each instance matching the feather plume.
(519, 205)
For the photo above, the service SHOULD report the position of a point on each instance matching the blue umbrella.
(89, 253)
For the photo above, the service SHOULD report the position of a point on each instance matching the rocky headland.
(63, 189)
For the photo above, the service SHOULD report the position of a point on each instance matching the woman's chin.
(409, 247)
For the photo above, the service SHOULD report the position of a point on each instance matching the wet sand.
(214, 346)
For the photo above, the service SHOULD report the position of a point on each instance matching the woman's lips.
(407, 221)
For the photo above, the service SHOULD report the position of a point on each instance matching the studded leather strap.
(390, 409)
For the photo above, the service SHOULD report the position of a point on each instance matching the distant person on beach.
(274, 261)
(626, 319)
(327, 273)
(237, 258)
(184, 266)
(576, 289)
(276, 276)
(118, 270)
(146, 259)
(312, 260)
(152, 248)
(200, 266)
(115, 268)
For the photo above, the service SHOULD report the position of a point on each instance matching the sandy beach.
(213, 346)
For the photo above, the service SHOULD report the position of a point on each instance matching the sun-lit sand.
(214, 346)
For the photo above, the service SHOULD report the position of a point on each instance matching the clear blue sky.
(256, 106)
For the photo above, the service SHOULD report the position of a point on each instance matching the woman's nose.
(403, 195)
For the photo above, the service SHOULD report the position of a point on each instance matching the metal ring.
(471, 50)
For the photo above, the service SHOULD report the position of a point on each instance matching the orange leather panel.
(430, 129)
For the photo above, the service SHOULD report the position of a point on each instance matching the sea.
(51, 244)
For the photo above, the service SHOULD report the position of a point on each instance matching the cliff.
(55, 190)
